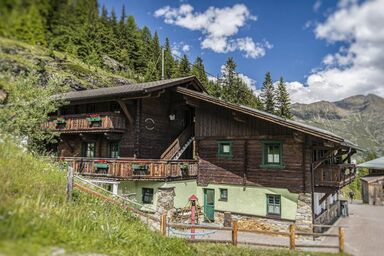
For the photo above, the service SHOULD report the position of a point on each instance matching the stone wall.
(256, 223)
(304, 212)
(165, 199)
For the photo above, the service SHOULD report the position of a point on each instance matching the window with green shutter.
(114, 149)
(147, 195)
(223, 194)
(272, 154)
(224, 149)
(273, 205)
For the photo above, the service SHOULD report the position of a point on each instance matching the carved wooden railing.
(334, 175)
(177, 144)
(81, 122)
(134, 168)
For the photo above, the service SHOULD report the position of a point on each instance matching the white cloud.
(357, 68)
(317, 5)
(180, 48)
(217, 25)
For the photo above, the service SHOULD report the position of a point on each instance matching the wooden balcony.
(107, 121)
(334, 175)
(135, 169)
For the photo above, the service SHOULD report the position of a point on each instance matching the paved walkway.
(365, 232)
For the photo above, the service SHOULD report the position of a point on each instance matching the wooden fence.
(291, 235)
(164, 225)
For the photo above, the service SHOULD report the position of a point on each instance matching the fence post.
(292, 244)
(163, 224)
(341, 240)
(69, 187)
(234, 232)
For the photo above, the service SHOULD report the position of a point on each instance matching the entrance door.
(209, 204)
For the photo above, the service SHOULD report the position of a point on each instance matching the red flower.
(101, 161)
(94, 115)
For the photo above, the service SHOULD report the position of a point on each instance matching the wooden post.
(341, 240)
(69, 187)
(163, 224)
(292, 237)
(234, 232)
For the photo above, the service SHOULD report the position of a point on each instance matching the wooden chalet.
(235, 159)
(372, 185)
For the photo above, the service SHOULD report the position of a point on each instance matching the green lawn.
(35, 219)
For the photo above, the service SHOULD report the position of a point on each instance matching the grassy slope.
(17, 57)
(35, 219)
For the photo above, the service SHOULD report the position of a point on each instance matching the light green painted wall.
(183, 190)
(251, 200)
(248, 200)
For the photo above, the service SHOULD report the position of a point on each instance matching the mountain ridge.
(357, 118)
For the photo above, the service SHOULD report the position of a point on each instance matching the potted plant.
(184, 168)
(94, 120)
(60, 122)
(140, 169)
(101, 166)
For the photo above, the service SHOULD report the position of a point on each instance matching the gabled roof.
(314, 131)
(377, 164)
(126, 90)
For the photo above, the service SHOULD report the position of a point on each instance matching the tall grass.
(35, 218)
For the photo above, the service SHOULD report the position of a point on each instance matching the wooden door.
(209, 204)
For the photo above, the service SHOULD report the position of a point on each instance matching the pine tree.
(198, 70)
(184, 67)
(234, 89)
(283, 102)
(268, 94)
(169, 62)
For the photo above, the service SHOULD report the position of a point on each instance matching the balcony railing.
(134, 169)
(334, 175)
(85, 123)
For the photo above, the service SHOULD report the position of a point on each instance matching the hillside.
(35, 218)
(358, 118)
(17, 58)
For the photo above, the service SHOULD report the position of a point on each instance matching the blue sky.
(301, 40)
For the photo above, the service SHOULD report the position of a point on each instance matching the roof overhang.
(307, 129)
(139, 90)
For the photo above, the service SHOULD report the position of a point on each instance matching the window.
(272, 154)
(223, 194)
(320, 154)
(147, 195)
(273, 205)
(224, 149)
(114, 150)
(89, 149)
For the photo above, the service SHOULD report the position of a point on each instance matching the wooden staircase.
(179, 145)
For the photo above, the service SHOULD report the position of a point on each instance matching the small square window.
(223, 194)
(224, 148)
(147, 195)
(273, 204)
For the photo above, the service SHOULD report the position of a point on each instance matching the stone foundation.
(165, 200)
(304, 212)
(254, 222)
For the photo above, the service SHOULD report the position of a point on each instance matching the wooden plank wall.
(214, 124)
(154, 142)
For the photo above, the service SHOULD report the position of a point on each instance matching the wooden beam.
(126, 111)
(324, 198)
(239, 117)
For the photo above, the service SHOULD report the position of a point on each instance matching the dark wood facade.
(159, 124)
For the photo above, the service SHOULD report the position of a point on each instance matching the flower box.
(101, 166)
(140, 169)
(94, 118)
(184, 168)
(60, 122)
